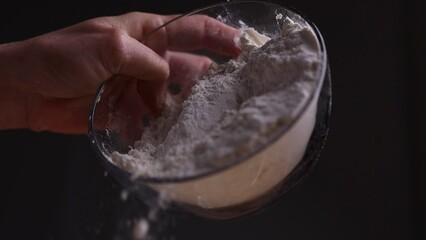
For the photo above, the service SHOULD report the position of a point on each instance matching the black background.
(368, 184)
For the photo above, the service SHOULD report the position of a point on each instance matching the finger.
(141, 62)
(197, 32)
(129, 102)
(121, 110)
(129, 113)
(185, 33)
(184, 68)
(153, 95)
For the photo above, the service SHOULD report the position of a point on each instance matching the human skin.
(47, 83)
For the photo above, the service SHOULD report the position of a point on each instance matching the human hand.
(48, 82)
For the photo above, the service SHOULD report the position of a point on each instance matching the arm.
(48, 82)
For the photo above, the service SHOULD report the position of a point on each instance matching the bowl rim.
(110, 166)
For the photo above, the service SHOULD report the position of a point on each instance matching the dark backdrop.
(368, 183)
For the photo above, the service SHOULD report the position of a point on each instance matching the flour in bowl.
(232, 109)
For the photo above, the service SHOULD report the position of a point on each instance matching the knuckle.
(115, 41)
(136, 14)
(114, 48)
(111, 36)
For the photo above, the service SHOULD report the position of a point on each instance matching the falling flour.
(234, 107)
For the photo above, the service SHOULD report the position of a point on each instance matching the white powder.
(234, 107)
(140, 229)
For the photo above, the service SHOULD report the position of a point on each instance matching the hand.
(47, 83)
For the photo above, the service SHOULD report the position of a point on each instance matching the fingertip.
(163, 72)
(236, 47)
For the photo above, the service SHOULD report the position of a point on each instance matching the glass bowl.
(227, 191)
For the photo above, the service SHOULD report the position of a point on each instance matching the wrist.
(13, 109)
(12, 99)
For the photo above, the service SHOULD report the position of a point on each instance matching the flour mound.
(233, 108)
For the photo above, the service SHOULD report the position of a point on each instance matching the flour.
(233, 108)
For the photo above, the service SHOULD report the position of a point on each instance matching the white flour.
(236, 106)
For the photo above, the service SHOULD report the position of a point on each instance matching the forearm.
(12, 99)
